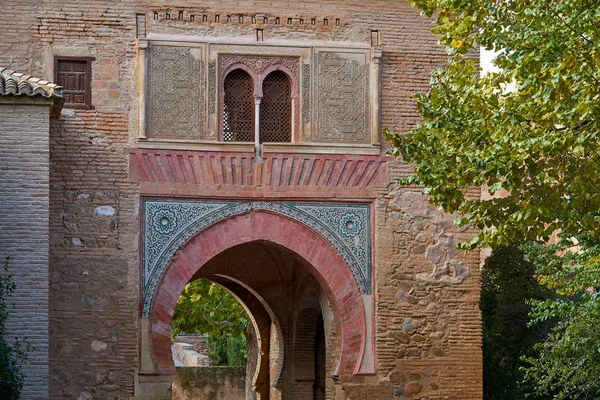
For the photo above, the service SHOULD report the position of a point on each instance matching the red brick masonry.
(338, 174)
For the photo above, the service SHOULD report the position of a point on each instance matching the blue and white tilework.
(168, 224)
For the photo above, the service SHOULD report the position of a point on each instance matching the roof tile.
(17, 84)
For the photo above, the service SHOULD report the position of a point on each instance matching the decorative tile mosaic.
(168, 224)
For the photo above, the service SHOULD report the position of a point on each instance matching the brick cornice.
(353, 176)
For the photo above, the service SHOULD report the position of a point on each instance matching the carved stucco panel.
(168, 224)
(342, 98)
(175, 92)
(212, 90)
(258, 64)
(306, 110)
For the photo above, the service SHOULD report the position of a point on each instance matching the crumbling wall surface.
(24, 198)
(429, 329)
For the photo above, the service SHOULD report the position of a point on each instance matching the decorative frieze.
(305, 95)
(212, 90)
(198, 16)
(258, 64)
(168, 224)
(175, 92)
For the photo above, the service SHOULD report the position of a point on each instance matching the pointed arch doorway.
(266, 259)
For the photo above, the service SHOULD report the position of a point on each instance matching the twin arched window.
(275, 108)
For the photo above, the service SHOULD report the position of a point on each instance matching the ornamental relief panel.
(168, 224)
(212, 89)
(306, 109)
(330, 91)
(258, 64)
(342, 98)
(175, 93)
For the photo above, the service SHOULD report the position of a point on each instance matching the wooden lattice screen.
(238, 108)
(276, 108)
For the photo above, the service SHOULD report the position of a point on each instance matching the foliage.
(237, 350)
(507, 283)
(530, 129)
(12, 355)
(569, 360)
(226, 349)
(539, 141)
(209, 309)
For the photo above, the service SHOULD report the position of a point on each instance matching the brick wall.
(215, 383)
(24, 193)
(93, 281)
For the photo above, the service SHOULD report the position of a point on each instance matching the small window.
(276, 109)
(238, 107)
(74, 74)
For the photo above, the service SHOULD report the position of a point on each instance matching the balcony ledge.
(247, 147)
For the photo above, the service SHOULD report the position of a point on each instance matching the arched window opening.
(276, 109)
(238, 108)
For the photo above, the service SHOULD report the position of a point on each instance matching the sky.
(486, 57)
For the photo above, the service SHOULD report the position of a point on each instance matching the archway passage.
(270, 263)
(210, 331)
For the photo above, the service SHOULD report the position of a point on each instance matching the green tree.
(507, 284)
(538, 141)
(531, 129)
(12, 355)
(227, 349)
(209, 309)
(568, 364)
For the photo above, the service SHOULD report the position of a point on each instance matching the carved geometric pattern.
(305, 94)
(258, 64)
(276, 109)
(212, 82)
(342, 98)
(175, 93)
(168, 224)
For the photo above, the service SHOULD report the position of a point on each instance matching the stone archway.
(326, 265)
(261, 320)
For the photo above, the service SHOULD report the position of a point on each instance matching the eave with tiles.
(16, 87)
